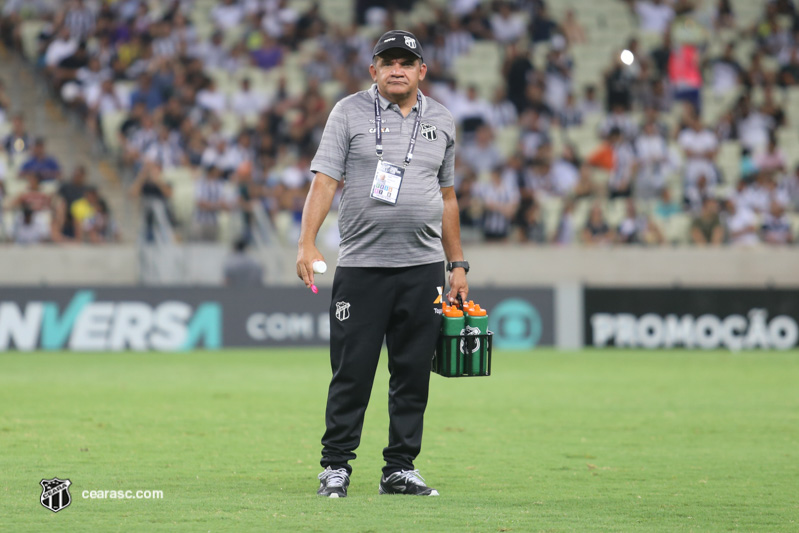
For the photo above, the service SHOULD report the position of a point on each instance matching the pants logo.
(342, 311)
(440, 294)
(55, 494)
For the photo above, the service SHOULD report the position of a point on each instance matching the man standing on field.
(398, 217)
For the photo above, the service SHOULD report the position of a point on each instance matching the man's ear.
(373, 72)
(422, 71)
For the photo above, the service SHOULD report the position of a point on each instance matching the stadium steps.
(65, 138)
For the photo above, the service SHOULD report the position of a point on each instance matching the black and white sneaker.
(333, 483)
(406, 482)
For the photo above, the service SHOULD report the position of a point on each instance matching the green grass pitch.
(592, 441)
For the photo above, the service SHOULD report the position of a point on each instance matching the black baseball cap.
(398, 39)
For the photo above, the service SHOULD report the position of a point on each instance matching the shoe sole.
(433, 492)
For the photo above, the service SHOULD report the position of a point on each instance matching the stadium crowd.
(652, 156)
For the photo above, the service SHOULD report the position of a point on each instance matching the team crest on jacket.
(55, 494)
(429, 132)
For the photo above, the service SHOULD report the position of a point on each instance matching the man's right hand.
(306, 255)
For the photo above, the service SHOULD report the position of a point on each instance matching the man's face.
(397, 73)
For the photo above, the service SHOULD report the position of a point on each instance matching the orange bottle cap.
(477, 311)
(453, 312)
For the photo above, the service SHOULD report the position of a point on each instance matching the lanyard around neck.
(379, 130)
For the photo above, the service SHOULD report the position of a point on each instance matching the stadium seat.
(111, 123)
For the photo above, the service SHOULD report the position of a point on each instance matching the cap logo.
(390, 39)
(410, 42)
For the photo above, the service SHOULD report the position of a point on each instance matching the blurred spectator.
(150, 187)
(501, 111)
(618, 157)
(742, 227)
(212, 52)
(748, 167)
(534, 229)
(246, 102)
(753, 126)
(723, 15)
(570, 115)
(558, 74)
(471, 112)
(147, 92)
(653, 155)
(772, 160)
(700, 146)
(211, 197)
(102, 99)
(572, 29)
(685, 74)
(295, 181)
(500, 200)
(68, 193)
(165, 150)
(101, 226)
(618, 84)
(506, 25)
(241, 270)
(482, 154)
(33, 197)
(467, 200)
(83, 210)
(654, 16)
(590, 104)
(79, 19)
(248, 194)
(596, 230)
(789, 72)
(727, 72)
(620, 119)
(3, 174)
(776, 228)
(568, 177)
(5, 102)
(60, 48)
(542, 27)
(789, 187)
(565, 232)
(27, 230)
(518, 68)
(210, 99)
(637, 228)
(666, 206)
(41, 165)
(269, 54)
(227, 15)
(533, 133)
(706, 226)
(17, 142)
(139, 140)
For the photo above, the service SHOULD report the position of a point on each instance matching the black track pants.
(369, 304)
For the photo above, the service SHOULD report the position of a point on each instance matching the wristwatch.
(458, 264)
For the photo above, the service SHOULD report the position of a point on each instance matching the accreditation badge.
(386, 185)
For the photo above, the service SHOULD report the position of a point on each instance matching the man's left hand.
(457, 285)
